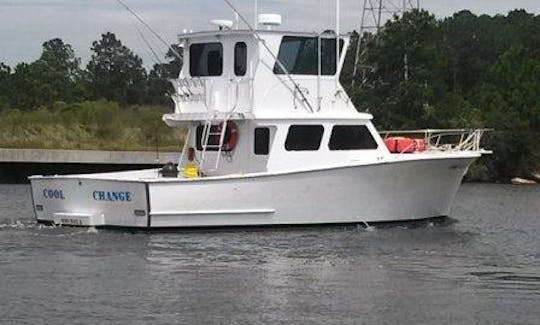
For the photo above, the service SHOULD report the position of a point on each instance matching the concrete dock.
(17, 164)
(86, 156)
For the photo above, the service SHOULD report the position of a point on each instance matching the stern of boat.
(89, 202)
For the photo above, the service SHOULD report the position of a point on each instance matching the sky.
(26, 24)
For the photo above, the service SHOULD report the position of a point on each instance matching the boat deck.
(154, 175)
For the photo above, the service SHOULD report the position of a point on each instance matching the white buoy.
(522, 181)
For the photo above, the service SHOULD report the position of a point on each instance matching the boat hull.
(384, 192)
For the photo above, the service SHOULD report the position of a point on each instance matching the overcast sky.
(26, 24)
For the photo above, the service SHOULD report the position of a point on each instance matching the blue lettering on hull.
(53, 194)
(111, 196)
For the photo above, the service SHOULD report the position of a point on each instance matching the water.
(482, 266)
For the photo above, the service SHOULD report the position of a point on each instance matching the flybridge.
(241, 73)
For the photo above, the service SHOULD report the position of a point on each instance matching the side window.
(351, 137)
(262, 141)
(206, 60)
(304, 137)
(240, 59)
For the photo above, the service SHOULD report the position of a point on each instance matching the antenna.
(338, 57)
(145, 24)
(374, 15)
(256, 19)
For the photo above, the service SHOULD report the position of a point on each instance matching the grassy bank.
(98, 125)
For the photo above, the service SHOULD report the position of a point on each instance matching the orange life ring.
(231, 135)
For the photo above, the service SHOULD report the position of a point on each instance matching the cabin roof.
(235, 32)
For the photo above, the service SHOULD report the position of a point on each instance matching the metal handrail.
(198, 89)
(469, 139)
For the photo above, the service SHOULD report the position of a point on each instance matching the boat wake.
(16, 224)
(36, 229)
(92, 230)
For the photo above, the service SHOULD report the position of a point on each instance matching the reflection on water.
(481, 265)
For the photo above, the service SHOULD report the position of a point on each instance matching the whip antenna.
(123, 4)
(145, 40)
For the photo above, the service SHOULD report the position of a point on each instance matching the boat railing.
(189, 90)
(445, 139)
(222, 95)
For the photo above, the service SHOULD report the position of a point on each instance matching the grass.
(89, 125)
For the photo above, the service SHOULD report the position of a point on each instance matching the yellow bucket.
(191, 171)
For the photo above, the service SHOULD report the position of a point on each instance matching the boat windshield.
(299, 55)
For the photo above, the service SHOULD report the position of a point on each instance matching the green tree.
(59, 56)
(158, 85)
(5, 73)
(62, 72)
(25, 87)
(115, 72)
(511, 101)
(403, 79)
(175, 57)
(55, 76)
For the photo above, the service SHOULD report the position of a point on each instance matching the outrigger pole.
(337, 43)
(123, 4)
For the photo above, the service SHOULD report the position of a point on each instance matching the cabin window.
(304, 137)
(206, 59)
(262, 141)
(299, 55)
(351, 137)
(240, 59)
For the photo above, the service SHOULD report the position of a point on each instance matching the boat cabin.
(268, 101)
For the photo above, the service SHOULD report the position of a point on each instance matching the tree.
(175, 55)
(5, 73)
(62, 72)
(403, 80)
(159, 87)
(511, 101)
(115, 72)
(55, 76)
(59, 56)
(26, 88)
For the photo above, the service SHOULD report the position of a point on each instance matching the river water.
(481, 266)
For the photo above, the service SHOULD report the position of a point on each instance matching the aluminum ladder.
(208, 134)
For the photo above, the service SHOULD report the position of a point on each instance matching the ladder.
(208, 134)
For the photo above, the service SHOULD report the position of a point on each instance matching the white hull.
(391, 191)
(269, 147)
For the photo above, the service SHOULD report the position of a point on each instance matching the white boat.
(273, 139)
